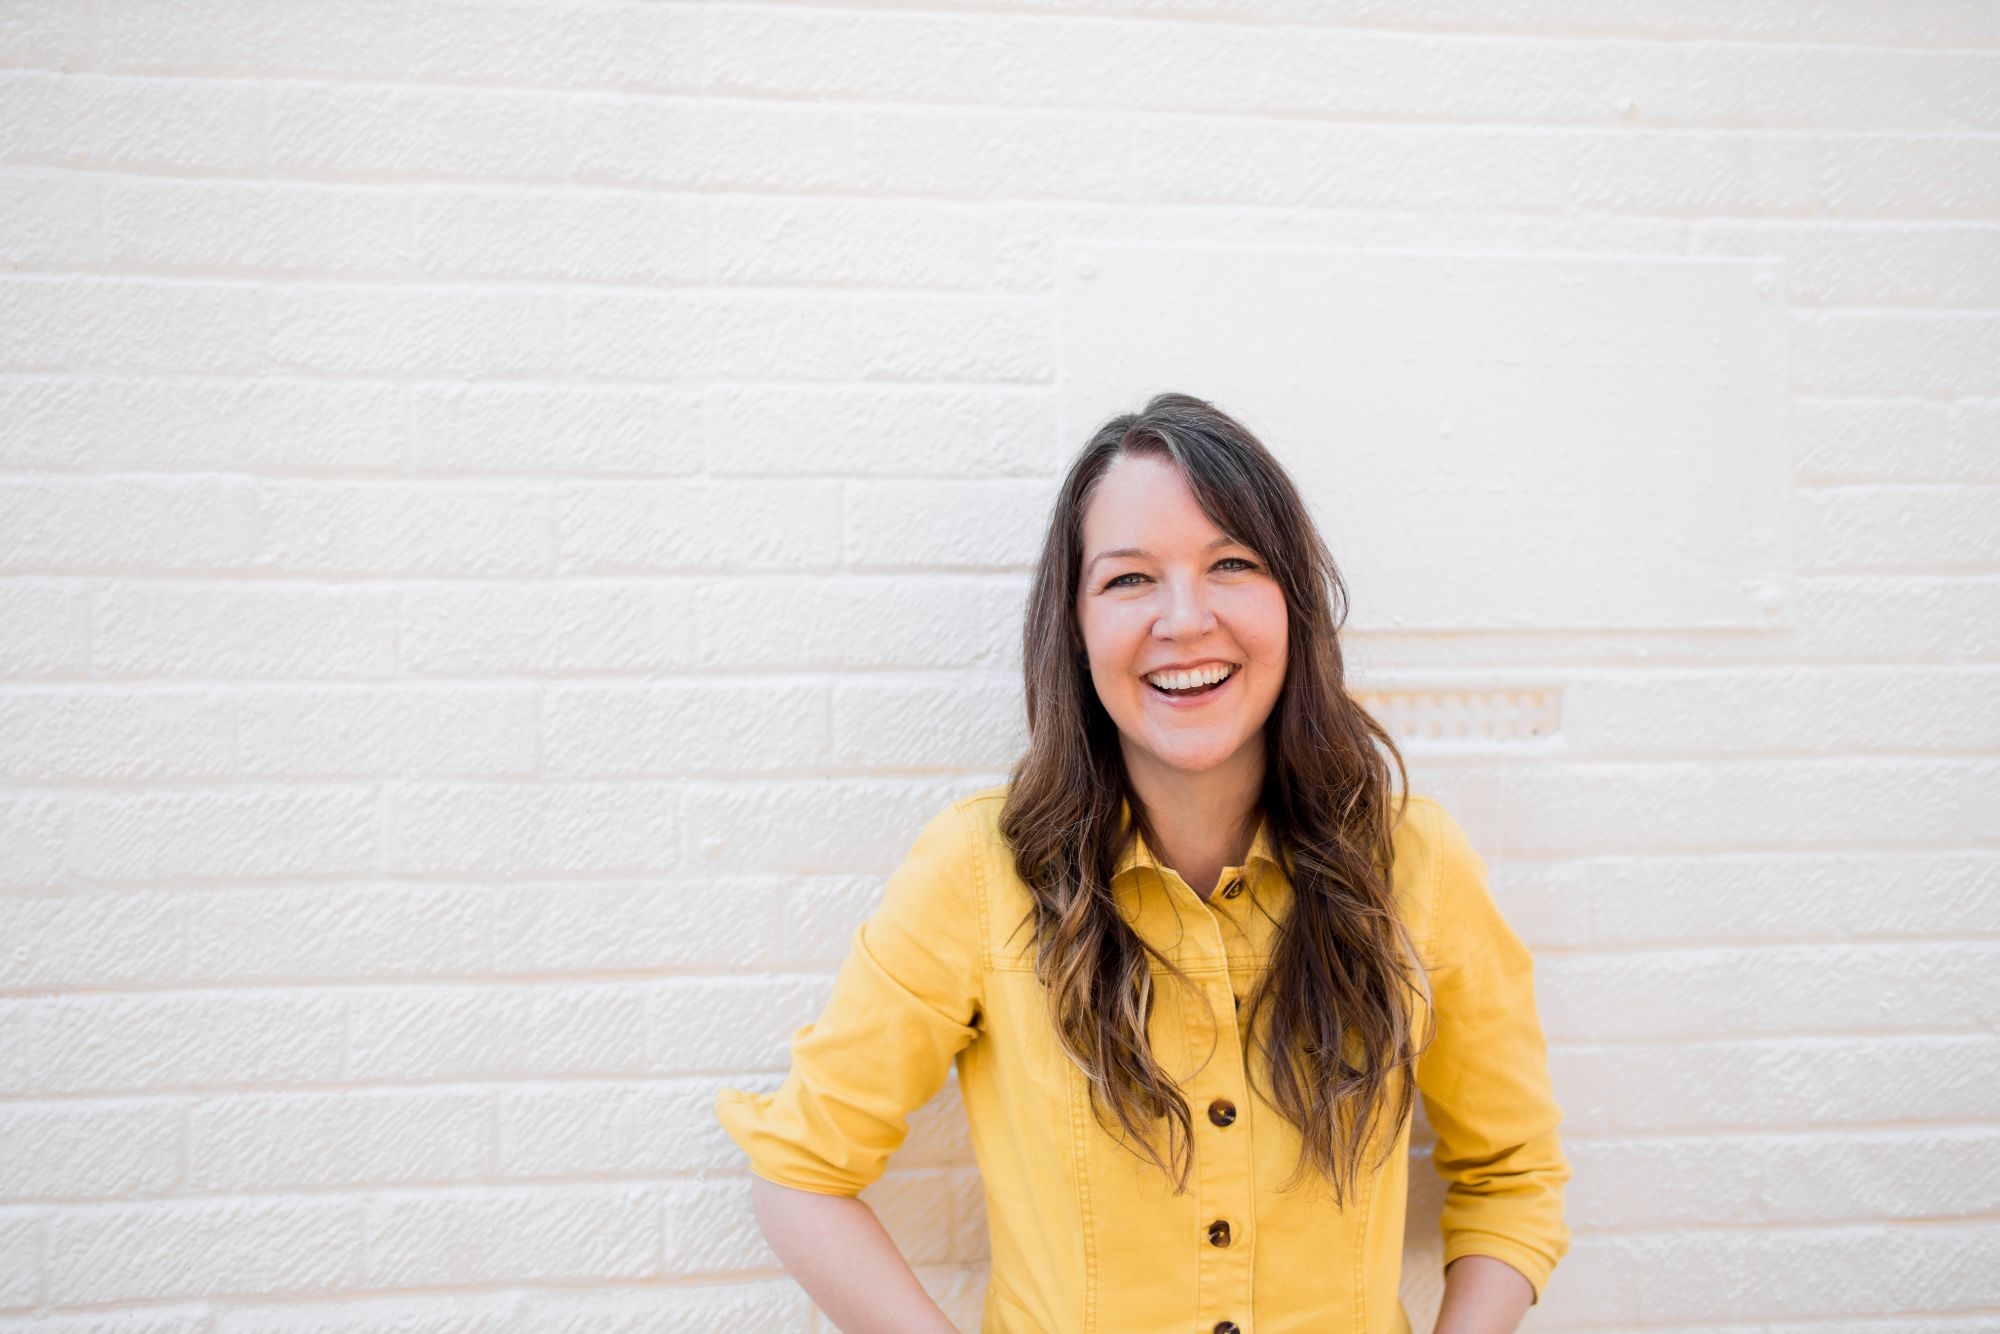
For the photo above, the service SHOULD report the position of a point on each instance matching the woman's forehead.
(1141, 501)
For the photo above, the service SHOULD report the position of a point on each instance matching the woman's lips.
(1191, 701)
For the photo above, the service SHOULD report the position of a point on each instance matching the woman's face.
(1197, 599)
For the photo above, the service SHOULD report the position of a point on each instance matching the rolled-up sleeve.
(905, 1002)
(1485, 1077)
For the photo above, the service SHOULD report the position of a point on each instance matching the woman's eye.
(1226, 560)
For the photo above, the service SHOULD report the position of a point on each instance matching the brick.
(48, 629)
(47, 424)
(1814, 1271)
(1738, 804)
(309, 1141)
(1738, 898)
(795, 625)
(948, 525)
(74, 1150)
(1851, 353)
(599, 626)
(1911, 618)
(599, 926)
(1743, 992)
(639, 527)
(34, 838)
(359, 731)
(813, 336)
(860, 824)
(185, 629)
(507, 1032)
(578, 236)
(203, 1248)
(873, 243)
(45, 33)
(1889, 527)
(1972, 440)
(913, 430)
(69, 734)
(92, 940)
(527, 828)
(79, 119)
(327, 130)
(885, 722)
(612, 1128)
(276, 425)
(764, 1014)
(397, 528)
(1802, 1083)
(1863, 440)
(1875, 263)
(49, 220)
(79, 323)
(409, 332)
(216, 831)
(333, 930)
(689, 143)
(569, 430)
(106, 1043)
(255, 228)
(71, 526)
(680, 728)
(1834, 709)
(350, 37)
(655, 48)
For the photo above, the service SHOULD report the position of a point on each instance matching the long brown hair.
(1335, 996)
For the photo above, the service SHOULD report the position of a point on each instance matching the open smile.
(1194, 698)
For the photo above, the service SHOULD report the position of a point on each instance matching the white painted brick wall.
(513, 511)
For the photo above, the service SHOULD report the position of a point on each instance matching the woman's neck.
(1203, 821)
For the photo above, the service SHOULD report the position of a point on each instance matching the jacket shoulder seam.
(1436, 853)
(975, 849)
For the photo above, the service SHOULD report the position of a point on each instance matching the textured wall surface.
(511, 515)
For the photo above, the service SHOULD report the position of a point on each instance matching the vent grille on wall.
(1494, 715)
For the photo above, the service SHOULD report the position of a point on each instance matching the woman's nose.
(1187, 611)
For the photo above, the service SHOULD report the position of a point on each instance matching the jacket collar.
(1139, 854)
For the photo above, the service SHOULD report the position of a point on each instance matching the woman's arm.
(1485, 1077)
(839, 1252)
(1483, 1295)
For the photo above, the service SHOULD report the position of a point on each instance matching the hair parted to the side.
(1335, 997)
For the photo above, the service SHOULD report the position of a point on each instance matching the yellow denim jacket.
(1087, 1237)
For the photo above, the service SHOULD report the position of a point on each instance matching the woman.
(1198, 863)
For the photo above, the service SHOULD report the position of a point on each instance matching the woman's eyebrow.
(1224, 541)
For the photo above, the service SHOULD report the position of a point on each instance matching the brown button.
(1226, 1327)
(1232, 889)
(1222, 1111)
(1218, 1232)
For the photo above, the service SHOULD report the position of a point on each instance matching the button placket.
(1223, 1163)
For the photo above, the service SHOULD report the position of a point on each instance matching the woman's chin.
(1177, 753)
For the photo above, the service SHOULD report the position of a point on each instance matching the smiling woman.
(1193, 962)
(1184, 633)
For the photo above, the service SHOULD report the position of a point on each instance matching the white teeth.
(1182, 680)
